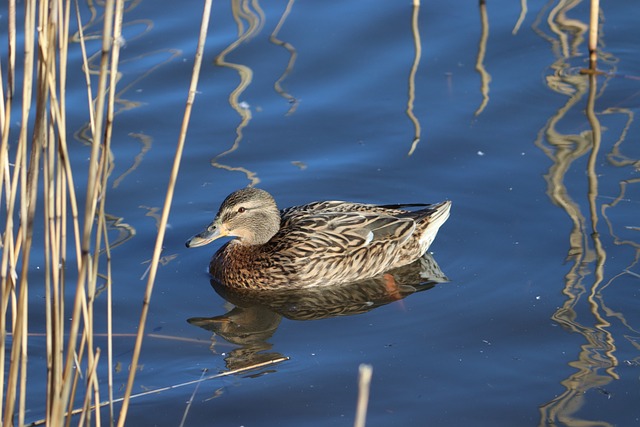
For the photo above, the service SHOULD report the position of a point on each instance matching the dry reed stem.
(593, 33)
(19, 312)
(5, 275)
(56, 218)
(2, 122)
(8, 279)
(55, 195)
(87, 407)
(102, 225)
(364, 384)
(109, 326)
(11, 51)
(85, 67)
(49, 261)
(92, 195)
(104, 171)
(166, 208)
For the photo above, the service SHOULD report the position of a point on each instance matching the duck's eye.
(241, 209)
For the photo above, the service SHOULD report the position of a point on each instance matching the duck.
(316, 244)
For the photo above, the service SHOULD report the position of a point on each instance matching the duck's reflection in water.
(257, 314)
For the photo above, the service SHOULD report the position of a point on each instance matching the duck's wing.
(342, 230)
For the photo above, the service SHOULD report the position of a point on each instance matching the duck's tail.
(429, 222)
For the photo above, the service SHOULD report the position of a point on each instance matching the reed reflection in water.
(250, 20)
(250, 13)
(596, 364)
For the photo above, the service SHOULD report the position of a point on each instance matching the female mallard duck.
(317, 244)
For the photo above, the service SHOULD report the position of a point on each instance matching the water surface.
(382, 102)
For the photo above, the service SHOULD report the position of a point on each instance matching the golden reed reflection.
(523, 13)
(485, 77)
(127, 82)
(251, 13)
(415, 29)
(293, 54)
(145, 142)
(585, 281)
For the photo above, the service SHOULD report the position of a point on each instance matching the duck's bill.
(209, 234)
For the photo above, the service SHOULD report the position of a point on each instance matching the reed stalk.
(593, 34)
(18, 184)
(364, 385)
(166, 208)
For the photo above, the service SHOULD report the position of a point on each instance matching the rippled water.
(382, 102)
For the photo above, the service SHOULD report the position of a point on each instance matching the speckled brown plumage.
(317, 244)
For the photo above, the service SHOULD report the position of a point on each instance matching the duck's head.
(249, 214)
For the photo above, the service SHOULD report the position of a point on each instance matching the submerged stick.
(190, 401)
(176, 386)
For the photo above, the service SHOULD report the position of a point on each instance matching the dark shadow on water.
(257, 314)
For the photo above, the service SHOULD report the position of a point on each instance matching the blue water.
(538, 324)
